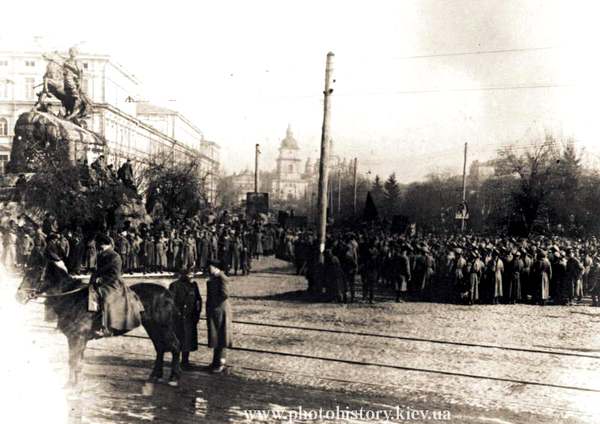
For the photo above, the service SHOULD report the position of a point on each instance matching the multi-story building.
(243, 183)
(289, 182)
(132, 128)
(178, 127)
(294, 180)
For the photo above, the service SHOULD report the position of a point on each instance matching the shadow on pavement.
(201, 397)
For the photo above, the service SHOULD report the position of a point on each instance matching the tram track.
(399, 367)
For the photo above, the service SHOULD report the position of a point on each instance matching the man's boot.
(219, 368)
(185, 361)
(218, 365)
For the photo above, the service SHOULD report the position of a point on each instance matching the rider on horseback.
(63, 80)
(106, 281)
(72, 80)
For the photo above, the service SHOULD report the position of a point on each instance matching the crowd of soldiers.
(149, 248)
(459, 269)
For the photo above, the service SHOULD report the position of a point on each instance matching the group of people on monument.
(100, 173)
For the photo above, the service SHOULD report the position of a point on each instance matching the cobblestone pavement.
(498, 364)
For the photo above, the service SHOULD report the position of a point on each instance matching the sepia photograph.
(285, 211)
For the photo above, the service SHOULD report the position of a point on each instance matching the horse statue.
(67, 297)
(73, 98)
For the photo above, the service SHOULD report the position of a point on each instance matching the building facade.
(243, 183)
(294, 180)
(289, 182)
(133, 129)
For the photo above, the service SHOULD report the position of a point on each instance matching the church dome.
(289, 142)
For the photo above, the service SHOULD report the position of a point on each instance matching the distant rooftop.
(147, 108)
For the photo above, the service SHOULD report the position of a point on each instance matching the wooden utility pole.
(324, 162)
(256, 153)
(464, 192)
(354, 180)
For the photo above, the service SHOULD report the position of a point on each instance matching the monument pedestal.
(42, 137)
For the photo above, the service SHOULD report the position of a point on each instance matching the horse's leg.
(174, 348)
(157, 371)
(175, 367)
(76, 348)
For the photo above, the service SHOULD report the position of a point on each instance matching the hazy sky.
(243, 70)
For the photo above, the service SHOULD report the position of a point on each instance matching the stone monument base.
(42, 137)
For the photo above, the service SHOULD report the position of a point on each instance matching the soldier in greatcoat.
(513, 272)
(236, 249)
(335, 280)
(475, 268)
(160, 253)
(594, 280)
(402, 271)
(148, 254)
(541, 274)
(203, 251)
(189, 305)
(188, 252)
(497, 267)
(218, 316)
(123, 248)
(118, 313)
(573, 275)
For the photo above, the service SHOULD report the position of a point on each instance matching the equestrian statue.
(62, 80)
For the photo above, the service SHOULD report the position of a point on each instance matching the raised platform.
(41, 137)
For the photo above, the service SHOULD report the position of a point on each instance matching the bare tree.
(535, 169)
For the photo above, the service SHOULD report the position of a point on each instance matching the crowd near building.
(133, 128)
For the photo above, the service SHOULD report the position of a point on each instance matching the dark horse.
(68, 298)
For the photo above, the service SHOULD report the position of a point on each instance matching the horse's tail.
(164, 308)
(165, 314)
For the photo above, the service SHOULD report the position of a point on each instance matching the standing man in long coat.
(160, 252)
(526, 274)
(218, 316)
(203, 250)
(594, 281)
(475, 270)
(123, 248)
(189, 304)
(402, 271)
(188, 251)
(574, 274)
(541, 274)
(236, 249)
(335, 279)
(515, 267)
(498, 270)
(148, 254)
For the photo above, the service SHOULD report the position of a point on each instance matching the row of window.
(28, 63)
(29, 88)
(3, 127)
(31, 63)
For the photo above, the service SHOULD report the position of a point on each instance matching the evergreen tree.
(392, 196)
(377, 192)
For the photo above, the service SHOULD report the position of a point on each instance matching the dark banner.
(257, 203)
(287, 220)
